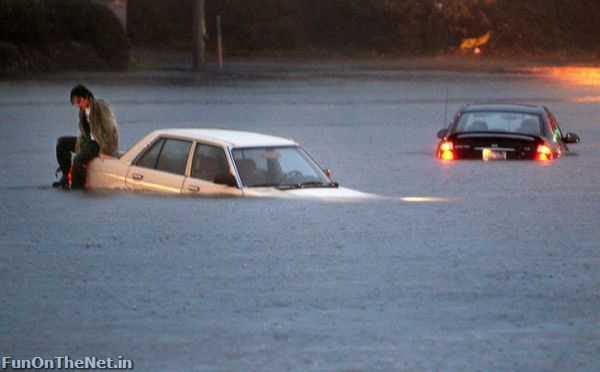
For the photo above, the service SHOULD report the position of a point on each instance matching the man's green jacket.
(103, 128)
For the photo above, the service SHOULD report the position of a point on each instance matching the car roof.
(232, 138)
(511, 107)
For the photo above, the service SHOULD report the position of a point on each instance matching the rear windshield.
(513, 122)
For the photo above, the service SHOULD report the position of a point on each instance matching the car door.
(161, 168)
(210, 173)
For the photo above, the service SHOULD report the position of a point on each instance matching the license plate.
(489, 154)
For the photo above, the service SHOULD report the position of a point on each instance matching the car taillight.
(446, 151)
(544, 152)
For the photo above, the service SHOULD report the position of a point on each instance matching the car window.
(148, 160)
(513, 122)
(209, 161)
(276, 166)
(256, 155)
(173, 156)
(295, 161)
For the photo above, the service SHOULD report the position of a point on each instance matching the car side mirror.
(442, 133)
(327, 172)
(225, 179)
(571, 138)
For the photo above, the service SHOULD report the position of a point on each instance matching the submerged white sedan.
(216, 162)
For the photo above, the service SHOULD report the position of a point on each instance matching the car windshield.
(283, 167)
(513, 122)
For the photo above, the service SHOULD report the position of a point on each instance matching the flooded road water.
(466, 265)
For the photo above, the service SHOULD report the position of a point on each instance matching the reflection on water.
(572, 74)
(585, 76)
(587, 99)
(424, 199)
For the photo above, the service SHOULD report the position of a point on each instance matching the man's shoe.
(62, 182)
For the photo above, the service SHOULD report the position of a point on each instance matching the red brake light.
(544, 152)
(446, 146)
(445, 151)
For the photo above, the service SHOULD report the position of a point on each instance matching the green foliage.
(60, 30)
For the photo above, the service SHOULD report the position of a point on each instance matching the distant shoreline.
(178, 64)
(147, 60)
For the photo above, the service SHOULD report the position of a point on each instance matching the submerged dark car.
(503, 132)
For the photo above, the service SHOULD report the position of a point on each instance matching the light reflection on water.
(587, 99)
(425, 199)
(572, 74)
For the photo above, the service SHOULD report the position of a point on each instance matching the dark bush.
(160, 24)
(255, 25)
(62, 35)
(545, 25)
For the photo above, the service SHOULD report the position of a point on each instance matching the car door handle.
(137, 177)
(193, 188)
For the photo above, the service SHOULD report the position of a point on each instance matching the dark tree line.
(50, 35)
(372, 26)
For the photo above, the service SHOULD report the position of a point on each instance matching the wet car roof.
(503, 107)
(232, 138)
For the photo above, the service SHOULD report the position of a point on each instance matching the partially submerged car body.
(216, 162)
(503, 131)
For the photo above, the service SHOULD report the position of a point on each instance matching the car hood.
(323, 193)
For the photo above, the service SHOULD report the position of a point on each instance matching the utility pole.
(219, 43)
(199, 31)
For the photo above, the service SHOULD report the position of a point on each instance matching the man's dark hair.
(81, 91)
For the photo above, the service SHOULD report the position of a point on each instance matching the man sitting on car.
(99, 135)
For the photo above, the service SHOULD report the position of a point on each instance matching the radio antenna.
(446, 109)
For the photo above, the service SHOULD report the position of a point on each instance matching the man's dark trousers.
(64, 147)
